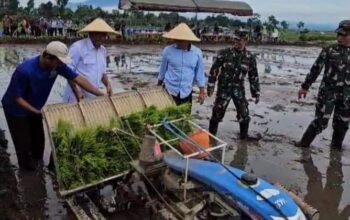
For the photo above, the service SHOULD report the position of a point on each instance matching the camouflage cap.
(344, 27)
(241, 34)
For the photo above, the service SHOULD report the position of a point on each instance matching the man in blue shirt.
(182, 66)
(28, 91)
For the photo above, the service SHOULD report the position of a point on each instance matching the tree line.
(86, 13)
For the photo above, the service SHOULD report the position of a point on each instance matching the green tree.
(300, 25)
(67, 13)
(84, 14)
(223, 20)
(273, 21)
(284, 25)
(62, 3)
(254, 21)
(99, 12)
(236, 23)
(269, 27)
(30, 6)
(13, 6)
(46, 9)
(151, 19)
(172, 18)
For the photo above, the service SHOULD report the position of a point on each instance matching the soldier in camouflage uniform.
(230, 68)
(334, 91)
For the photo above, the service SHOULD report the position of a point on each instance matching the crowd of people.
(15, 26)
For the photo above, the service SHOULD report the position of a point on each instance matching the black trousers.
(6, 30)
(60, 31)
(180, 101)
(28, 137)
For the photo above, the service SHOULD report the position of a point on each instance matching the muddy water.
(320, 176)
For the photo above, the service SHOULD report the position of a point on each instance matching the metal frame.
(221, 144)
(82, 214)
(49, 130)
(65, 193)
(214, 197)
(94, 184)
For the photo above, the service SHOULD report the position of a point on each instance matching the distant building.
(4, 3)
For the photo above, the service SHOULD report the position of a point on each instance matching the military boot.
(308, 137)
(338, 138)
(243, 126)
(213, 127)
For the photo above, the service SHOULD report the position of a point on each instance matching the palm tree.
(300, 25)
(284, 25)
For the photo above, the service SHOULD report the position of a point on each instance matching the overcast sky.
(309, 11)
(313, 11)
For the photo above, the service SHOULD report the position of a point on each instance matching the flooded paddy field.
(319, 175)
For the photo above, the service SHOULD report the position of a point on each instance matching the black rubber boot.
(244, 126)
(213, 127)
(338, 138)
(308, 137)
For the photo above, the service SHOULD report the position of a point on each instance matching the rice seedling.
(91, 154)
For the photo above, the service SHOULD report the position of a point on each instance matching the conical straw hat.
(98, 25)
(181, 32)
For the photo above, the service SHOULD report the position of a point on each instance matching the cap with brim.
(65, 60)
(342, 31)
(344, 27)
(59, 50)
(181, 32)
(240, 34)
(238, 37)
(99, 25)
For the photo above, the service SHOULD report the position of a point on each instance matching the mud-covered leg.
(220, 105)
(324, 109)
(243, 118)
(340, 124)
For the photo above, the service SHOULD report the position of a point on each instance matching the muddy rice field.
(319, 175)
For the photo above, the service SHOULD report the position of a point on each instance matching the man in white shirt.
(60, 26)
(89, 59)
(53, 26)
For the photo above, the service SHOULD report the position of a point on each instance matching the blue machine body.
(236, 193)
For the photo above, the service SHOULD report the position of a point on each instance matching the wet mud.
(319, 175)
